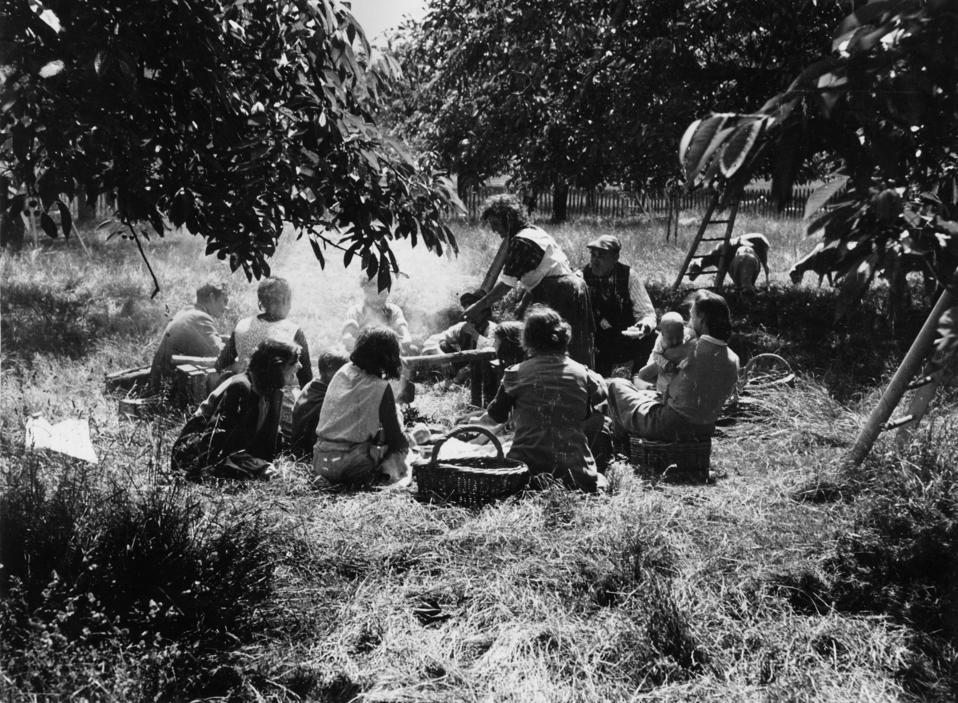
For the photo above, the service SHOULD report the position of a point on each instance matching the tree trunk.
(86, 212)
(560, 201)
(531, 201)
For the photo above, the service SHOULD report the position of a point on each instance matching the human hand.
(637, 331)
(645, 329)
(473, 314)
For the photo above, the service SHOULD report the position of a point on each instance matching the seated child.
(374, 311)
(670, 348)
(463, 335)
(359, 437)
(508, 343)
(310, 402)
(235, 432)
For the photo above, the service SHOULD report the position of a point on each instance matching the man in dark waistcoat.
(623, 311)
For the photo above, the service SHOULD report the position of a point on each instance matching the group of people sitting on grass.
(565, 416)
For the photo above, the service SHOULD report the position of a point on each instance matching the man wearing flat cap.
(624, 315)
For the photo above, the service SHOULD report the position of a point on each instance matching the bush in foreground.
(141, 590)
(901, 557)
(898, 556)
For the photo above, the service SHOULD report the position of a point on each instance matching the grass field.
(789, 579)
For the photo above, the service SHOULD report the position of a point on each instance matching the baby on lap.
(671, 347)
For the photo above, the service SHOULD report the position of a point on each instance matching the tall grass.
(97, 573)
(734, 591)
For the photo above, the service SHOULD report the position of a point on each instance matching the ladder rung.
(703, 272)
(898, 422)
(919, 382)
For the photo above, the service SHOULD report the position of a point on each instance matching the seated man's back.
(191, 332)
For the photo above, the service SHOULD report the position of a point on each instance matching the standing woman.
(235, 431)
(359, 437)
(535, 264)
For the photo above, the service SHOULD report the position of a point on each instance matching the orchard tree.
(231, 117)
(884, 105)
(574, 93)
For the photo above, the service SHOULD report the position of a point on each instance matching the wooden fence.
(619, 204)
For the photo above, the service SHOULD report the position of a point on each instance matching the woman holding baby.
(705, 374)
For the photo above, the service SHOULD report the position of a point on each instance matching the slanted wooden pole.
(920, 400)
(76, 231)
(909, 368)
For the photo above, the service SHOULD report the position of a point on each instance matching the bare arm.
(474, 312)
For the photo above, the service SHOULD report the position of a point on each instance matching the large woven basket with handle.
(470, 481)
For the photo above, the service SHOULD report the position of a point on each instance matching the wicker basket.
(470, 481)
(685, 461)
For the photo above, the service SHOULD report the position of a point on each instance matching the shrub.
(91, 572)
(901, 555)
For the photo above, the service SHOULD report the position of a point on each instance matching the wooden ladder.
(700, 237)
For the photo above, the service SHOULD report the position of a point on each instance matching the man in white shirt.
(623, 312)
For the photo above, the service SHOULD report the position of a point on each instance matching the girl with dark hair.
(234, 433)
(359, 437)
(703, 382)
(508, 342)
(536, 265)
(551, 398)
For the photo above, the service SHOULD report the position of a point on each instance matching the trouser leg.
(636, 412)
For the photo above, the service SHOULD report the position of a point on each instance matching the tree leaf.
(48, 16)
(48, 226)
(820, 197)
(66, 218)
(696, 141)
(317, 251)
(384, 278)
(738, 147)
(52, 68)
(864, 15)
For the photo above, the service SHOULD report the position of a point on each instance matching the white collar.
(712, 340)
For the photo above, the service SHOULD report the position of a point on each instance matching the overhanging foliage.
(230, 117)
(884, 103)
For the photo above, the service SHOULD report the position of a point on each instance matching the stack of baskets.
(683, 461)
(471, 481)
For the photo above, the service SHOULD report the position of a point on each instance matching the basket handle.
(468, 429)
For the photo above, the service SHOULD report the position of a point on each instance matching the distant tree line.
(561, 94)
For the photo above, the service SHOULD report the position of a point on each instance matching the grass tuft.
(90, 566)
